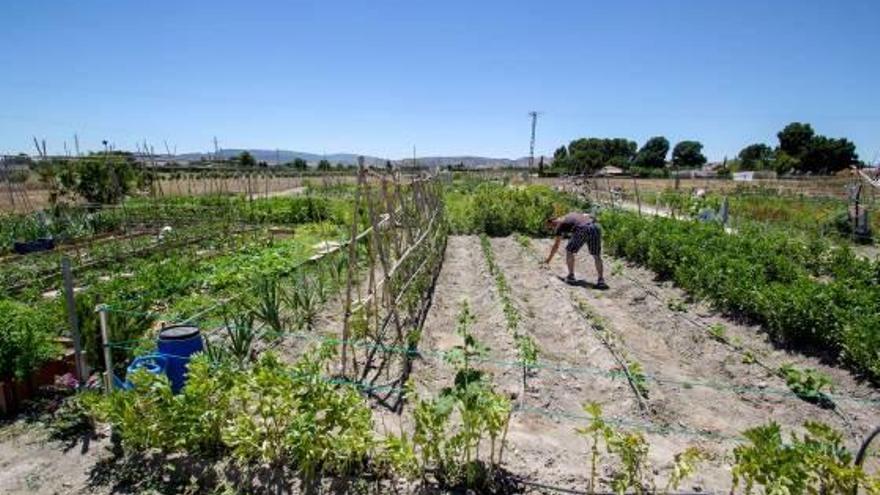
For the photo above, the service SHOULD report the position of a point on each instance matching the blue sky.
(450, 77)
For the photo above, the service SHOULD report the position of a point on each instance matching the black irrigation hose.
(863, 450)
(559, 489)
(863, 454)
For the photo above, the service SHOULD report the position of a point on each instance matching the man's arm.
(553, 249)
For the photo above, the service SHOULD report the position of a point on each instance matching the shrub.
(499, 210)
(807, 293)
(26, 340)
(818, 462)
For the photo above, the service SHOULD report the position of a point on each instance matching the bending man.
(583, 230)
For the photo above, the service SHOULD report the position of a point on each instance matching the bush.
(26, 340)
(268, 413)
(806, 293)
(500, 210)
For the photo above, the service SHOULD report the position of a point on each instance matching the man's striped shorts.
(591, 235)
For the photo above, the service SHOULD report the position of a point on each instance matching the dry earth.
(700, 392)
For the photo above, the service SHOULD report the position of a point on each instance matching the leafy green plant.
(616, 268)
(637, 374)
(816, 463)
(527, 348)
(268, 307)
(808, 384)
(631, 452)
(304, 298)
(498, 209)
(684, 466)
(523, 240)
(803, 290)
(527, 351)
(596, 431)
(279, 415)
(483, 412)
(240, 336)
(677, 305)
(27, 340)
(718, 332)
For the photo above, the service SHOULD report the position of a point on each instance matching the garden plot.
(541, 447)
(699, 391)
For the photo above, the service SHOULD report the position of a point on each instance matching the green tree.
(245, 159)
(756, 156)
(561, 153)
(688, 154)
(560, 158)
(828, 155)
(587, 155)
(324, 165)
(795, 139)
(388, 165)
(102, 178)
(300, 164)
(808, 152)
(653, 153)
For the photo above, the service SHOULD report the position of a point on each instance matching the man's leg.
(569, 261)
(594, 242)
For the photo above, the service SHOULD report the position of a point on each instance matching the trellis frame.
(388, 291)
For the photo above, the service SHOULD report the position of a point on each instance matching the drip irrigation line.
(614, 353)
(545, 365)
(574, 491)
(739, 388)
(629, 423)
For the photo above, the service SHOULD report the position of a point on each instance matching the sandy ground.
(32, 463)
(700, 392)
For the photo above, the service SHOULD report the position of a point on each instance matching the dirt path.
(32, 463)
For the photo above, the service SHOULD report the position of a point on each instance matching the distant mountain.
(273, 157)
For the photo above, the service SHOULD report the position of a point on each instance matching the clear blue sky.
(451, 77)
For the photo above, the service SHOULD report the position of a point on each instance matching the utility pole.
(216, 149)
(534, 115)
(76, 143)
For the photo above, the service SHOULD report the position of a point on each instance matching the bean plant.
(630, 449)
(815, 463)
(453, 451)
(527, 349)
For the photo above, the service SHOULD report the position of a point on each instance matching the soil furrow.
(692, 377)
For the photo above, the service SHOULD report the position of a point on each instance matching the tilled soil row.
(695, 382)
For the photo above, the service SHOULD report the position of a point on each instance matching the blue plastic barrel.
(152, 363)
(177, 344)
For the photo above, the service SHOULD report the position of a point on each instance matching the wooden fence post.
(79, 360)
(638, 199)
(108, 355)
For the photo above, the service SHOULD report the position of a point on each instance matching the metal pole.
(108, 356)
(72, 319)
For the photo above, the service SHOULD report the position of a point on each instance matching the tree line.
(799, 151)
(247, 160)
